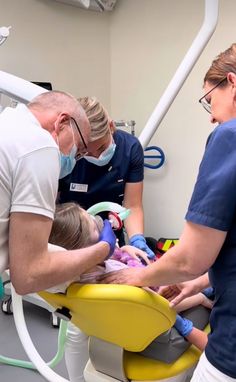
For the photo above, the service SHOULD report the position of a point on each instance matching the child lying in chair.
(74, 228)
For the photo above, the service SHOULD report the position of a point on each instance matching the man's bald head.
(47, 106)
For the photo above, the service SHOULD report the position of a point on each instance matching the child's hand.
(136, 253)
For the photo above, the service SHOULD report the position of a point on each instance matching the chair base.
(92, 375)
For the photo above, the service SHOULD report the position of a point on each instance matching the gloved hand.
(139, 241)
(108, 236)
(183, 325)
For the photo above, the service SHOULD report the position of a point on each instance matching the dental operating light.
(4, 33)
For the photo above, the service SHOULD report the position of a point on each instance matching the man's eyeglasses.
(80, 155)
(203, 101)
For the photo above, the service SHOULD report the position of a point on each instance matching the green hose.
(94, 210)
(1, 289)
(53, 362)
(109, 206)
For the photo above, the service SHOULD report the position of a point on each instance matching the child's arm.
(198, 338)
(177, 292)
(193, 335)
(190, 302)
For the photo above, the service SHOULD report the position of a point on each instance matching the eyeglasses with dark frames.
(203, 101)
(80, 155)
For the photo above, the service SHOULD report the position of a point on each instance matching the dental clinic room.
(117, 243)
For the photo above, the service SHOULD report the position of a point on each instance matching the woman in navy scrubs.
(208, 241)
(112, 171)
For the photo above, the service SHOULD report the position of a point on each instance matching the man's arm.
(33, 267)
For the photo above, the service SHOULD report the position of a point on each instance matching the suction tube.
(27, 343)
(109, 206)
(37, 362)
(52, 363)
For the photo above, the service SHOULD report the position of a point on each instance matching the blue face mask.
(68, 162)
(104, 157)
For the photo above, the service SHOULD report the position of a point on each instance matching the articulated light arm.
(204, 35)
(19, 89)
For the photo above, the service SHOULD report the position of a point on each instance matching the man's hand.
(108, 236)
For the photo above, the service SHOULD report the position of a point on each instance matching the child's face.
(95, 226)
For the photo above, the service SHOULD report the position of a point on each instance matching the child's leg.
(190, 302)
(76, 353)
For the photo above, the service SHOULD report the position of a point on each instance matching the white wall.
(126, 58)
(65, 45)
(148, 41)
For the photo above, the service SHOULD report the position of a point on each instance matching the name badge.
(77, 187)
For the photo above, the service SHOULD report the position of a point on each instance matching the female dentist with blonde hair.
(113, 171)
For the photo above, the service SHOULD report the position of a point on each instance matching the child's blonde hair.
(70, 228)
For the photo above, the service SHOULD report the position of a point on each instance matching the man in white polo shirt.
(30, 166)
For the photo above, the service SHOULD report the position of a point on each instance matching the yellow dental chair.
(121, 321)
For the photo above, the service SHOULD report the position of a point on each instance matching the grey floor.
(43, 335)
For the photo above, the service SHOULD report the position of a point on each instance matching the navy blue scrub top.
(213, 204)
(89, 184)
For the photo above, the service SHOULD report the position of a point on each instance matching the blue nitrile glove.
(139, 241)
(183, 325)
(209, 293)
(108, 236)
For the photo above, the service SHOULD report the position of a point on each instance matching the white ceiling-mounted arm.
(202, 38)
(19, 89)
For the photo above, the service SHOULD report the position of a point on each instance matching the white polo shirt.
(29, 170)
